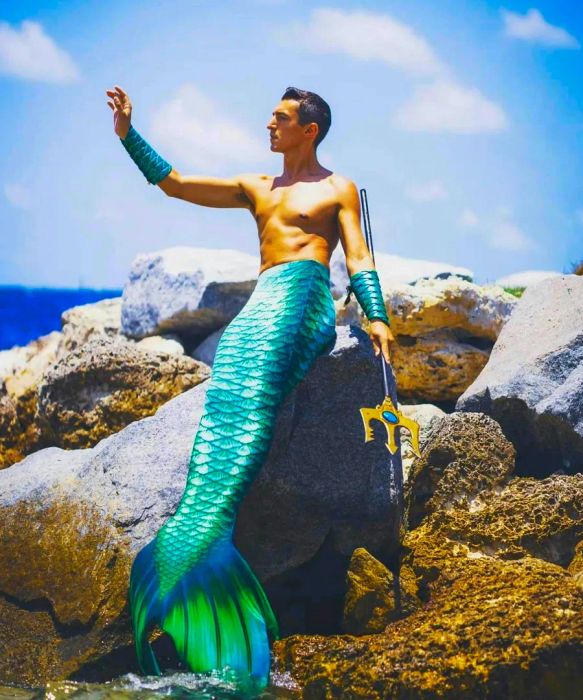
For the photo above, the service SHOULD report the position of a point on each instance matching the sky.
(463, 121)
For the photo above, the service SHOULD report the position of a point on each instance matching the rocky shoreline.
(97, 422)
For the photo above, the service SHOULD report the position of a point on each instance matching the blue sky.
(462, 120)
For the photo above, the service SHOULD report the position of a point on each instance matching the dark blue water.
(29, 312)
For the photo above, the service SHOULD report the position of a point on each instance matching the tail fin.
(217, 614)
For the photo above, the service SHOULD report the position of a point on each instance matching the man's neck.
(301, 163)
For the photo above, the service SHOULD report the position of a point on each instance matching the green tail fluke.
(217, 614)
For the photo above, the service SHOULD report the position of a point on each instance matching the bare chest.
(303, 204)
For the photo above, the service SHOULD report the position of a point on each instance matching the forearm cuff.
(152, 165)
(367, 289)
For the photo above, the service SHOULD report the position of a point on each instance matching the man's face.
(285, 132)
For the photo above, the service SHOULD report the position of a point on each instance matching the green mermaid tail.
(190, 580)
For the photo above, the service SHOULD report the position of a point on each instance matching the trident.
(392, 418)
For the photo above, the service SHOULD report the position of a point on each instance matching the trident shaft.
(392, 418)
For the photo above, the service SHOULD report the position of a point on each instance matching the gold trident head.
(391, 418)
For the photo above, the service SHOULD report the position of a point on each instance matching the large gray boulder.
(532, 384)
(191, 291)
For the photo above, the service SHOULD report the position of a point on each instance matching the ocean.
(29, 312)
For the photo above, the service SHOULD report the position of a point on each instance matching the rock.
(107, 383)
(464, 455)
(576, 566)
(533, 381)
(63, 585)
(525, 517)
(472, 310)
(495, 620)
(321, 483)
(191, 291)
(205, 352)
(392, 269)
(11, 446)
(444, 331)
(169, 343)
(82, 323)
(370, 600)
(499, 629)
(427, 416)
(526, 278)
(22, 433)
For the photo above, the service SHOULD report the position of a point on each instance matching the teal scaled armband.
(367, 289)
(152, 165)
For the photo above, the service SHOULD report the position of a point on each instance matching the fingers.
(386, 351)
(118, 97)
(381, 344)
(114, 101)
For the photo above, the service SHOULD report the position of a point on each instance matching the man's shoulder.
(345, 187)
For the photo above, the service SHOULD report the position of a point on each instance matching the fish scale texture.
(190, 579)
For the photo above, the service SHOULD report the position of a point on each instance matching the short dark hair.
(312, 109)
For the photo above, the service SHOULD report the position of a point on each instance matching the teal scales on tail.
(190, 580)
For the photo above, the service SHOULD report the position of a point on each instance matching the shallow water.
(176, 685)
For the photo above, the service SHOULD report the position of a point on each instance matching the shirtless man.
(190, 580)
(300, 214)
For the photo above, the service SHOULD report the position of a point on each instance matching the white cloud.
(468, 219)
(533, 27)
(507, 236)
(193, 127)
(30, 54)
(365, 36)
(426, 191)
(449, 106)
(18, 195)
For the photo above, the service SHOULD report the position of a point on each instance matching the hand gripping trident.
(392, 418)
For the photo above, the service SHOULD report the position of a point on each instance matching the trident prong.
(392, 418)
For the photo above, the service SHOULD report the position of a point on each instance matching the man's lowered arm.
(351, 237)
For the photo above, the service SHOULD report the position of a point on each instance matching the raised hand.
(122, 110)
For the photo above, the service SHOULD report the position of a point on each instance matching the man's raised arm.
(205, 190)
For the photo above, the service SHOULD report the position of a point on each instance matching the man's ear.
(312, 129)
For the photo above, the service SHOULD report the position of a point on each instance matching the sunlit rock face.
(464, 455)
(492, 628)
(501, 611)
(491, 581)
(444, 332)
